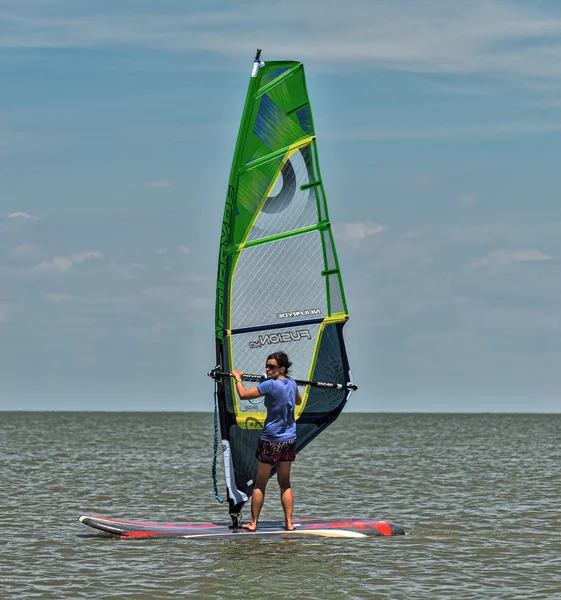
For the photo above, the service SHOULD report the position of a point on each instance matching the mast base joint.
(236, 520)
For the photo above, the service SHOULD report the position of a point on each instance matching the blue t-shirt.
(280, 400)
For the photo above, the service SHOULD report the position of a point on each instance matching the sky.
(439, 134)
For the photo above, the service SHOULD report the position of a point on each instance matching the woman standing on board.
(277, 445)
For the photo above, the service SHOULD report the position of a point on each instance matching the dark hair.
(282, 360)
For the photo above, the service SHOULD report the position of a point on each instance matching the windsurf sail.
(279, 284)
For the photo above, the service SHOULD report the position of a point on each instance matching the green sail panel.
(279, 283)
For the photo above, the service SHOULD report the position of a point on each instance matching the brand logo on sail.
(223, 261)
(279, 338)
(299, 313)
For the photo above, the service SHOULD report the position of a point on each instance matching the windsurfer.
(277, 445)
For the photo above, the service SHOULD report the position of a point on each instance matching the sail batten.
(321, 226)
(278, 79)
(279, 283)
(282, 152)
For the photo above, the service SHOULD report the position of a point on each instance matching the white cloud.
(193, 278)
(166, 250)
(484, 36)
(110, 304)
(63, 264)
(26, 251)
(501, 258)
(81, 257)
(466, 200)
(15, 221)
(60, 298)
(468, 131)
(21, 215)
(425, 181)
(516, 231)
(58, 263)
(354, 233)
(174, 297)
(550, 323)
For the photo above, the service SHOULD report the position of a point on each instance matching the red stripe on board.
(143, 533)
(382, 527)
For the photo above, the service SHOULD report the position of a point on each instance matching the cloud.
(12, 219)
(501, 258)
(21, 215)
(466, 200)
(108, 305)
(174, 297)
(425, 181)
(167, 250)
(16, 221)
(514, 230)
(467, 131)
(81, 257)
(354, 233)
(479, 36)
(61, 298)
(467, 300)
(61, 264)
(26, 251)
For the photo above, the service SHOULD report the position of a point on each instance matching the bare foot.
(249, 526)
(289, 527)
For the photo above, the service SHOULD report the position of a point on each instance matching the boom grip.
(217, 373)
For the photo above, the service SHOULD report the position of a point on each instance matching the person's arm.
(298, 398)
(244, 394)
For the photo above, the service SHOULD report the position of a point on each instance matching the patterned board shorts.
(273, 452)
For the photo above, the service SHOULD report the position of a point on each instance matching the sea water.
(479, 496)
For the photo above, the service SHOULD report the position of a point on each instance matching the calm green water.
(479, 496)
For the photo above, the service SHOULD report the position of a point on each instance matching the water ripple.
(478, 495)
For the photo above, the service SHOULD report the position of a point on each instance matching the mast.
(235, 502)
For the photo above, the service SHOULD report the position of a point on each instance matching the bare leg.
(287, 497)
(258, 496)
